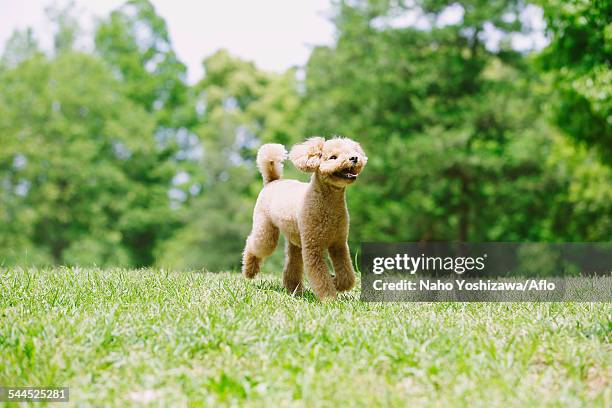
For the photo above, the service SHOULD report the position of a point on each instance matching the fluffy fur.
(312, 216)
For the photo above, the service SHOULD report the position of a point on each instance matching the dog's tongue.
(349, 173)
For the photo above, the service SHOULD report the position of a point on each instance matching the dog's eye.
(333, 157)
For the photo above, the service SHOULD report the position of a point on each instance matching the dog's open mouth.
(349, 174)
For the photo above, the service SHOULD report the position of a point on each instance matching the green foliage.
(578, 211)
(66, 25)
(456, 140)
(134, 41)
(113, 159)
(579, 57)
(20, 46)
(243, 108)
(79, 165)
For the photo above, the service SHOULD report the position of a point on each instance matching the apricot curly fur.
(312, 216)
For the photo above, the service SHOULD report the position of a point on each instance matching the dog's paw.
(250, 265)
(328, 297)
(344, 283)
(294, 288)
(326, 294)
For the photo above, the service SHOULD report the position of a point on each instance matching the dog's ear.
(307, 156)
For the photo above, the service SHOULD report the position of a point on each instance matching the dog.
(312, 216)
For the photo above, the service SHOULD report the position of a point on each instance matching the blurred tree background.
(109, 157)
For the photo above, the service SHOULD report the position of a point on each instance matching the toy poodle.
(312, 216)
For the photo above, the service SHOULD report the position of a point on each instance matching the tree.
(241, 108)
(79, 170)
(19, 47)
(579, 58)
(454, 136)
(134, 41)
(66, 26)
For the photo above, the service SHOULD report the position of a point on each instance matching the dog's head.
(338, 161)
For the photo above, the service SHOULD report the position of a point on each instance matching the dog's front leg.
(318, 273)
(343, 268)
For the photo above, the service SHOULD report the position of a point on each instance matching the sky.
(275, 34)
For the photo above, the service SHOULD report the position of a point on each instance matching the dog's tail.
(270, 158)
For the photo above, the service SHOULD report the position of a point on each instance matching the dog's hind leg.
(250, 264)
(261, 243)
(294, 269)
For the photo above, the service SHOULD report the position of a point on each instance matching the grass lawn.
(123, 337)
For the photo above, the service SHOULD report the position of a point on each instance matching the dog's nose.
(354, 159)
